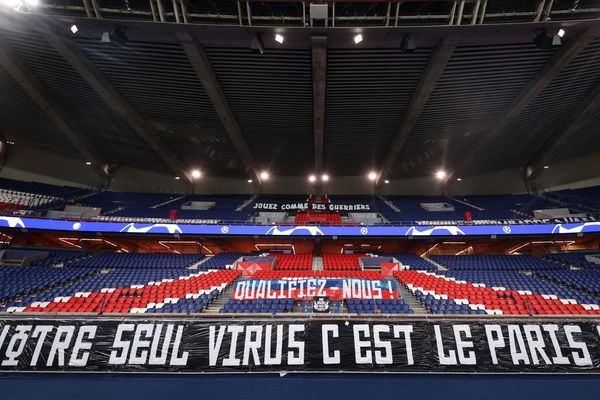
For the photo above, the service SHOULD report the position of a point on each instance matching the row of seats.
(258, 306)
(285, 261)
(372, 275)
(413, 261)
(437, 305)
(392, 306)
(578, 258)
(314, 217)
(587, 281)
(341, 262)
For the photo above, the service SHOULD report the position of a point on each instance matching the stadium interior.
(247, 173)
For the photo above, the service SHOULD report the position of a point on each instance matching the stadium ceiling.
(174, 96)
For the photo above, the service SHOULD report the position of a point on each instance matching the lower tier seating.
(292, 261)
(258, 306)
(520, 296)
(316, 274)
(341, 262)
(131, 291)
(391, 306)
(413, 261)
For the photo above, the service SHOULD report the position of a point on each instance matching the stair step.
(223, 298)
(438, 265)
(411, 300)
(246, 203)
(317, 264)
(164, 203)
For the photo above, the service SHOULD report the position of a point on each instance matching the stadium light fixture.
(372, 176)
(312, 178)
(440, 174)
(74, 29)
(561, 33)
(459, 179)
(546, 166)
(249, 180)
(10, 142)
(196, 174)
(358, 38)
(325, 178)
(386, 181)
(279, 38)
(264, 175)
(546, 41)
(88, 163)
(177, 178)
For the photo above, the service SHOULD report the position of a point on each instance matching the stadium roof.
(172, 97)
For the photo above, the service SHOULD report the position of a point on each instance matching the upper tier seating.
(495, 262)
(518, 204)
(130, 207)
(341, 261)
(41, 189)
(584, 199)
(292, 261)
(110, 200)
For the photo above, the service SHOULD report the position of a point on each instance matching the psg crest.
(321, 304)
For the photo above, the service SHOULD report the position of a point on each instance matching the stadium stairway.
(410, 299)
(247, 203)
(466, 203)
(389, 203)
(196, 265)
(437, 264)
(223, 298)
(317, 263)
(168, 202)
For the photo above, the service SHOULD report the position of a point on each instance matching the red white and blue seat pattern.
(505, 293)
(131, 283)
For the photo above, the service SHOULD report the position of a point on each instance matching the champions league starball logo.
(298, 230)
(13, 222)
(438, 230)
(155, 228)
(576, 228)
